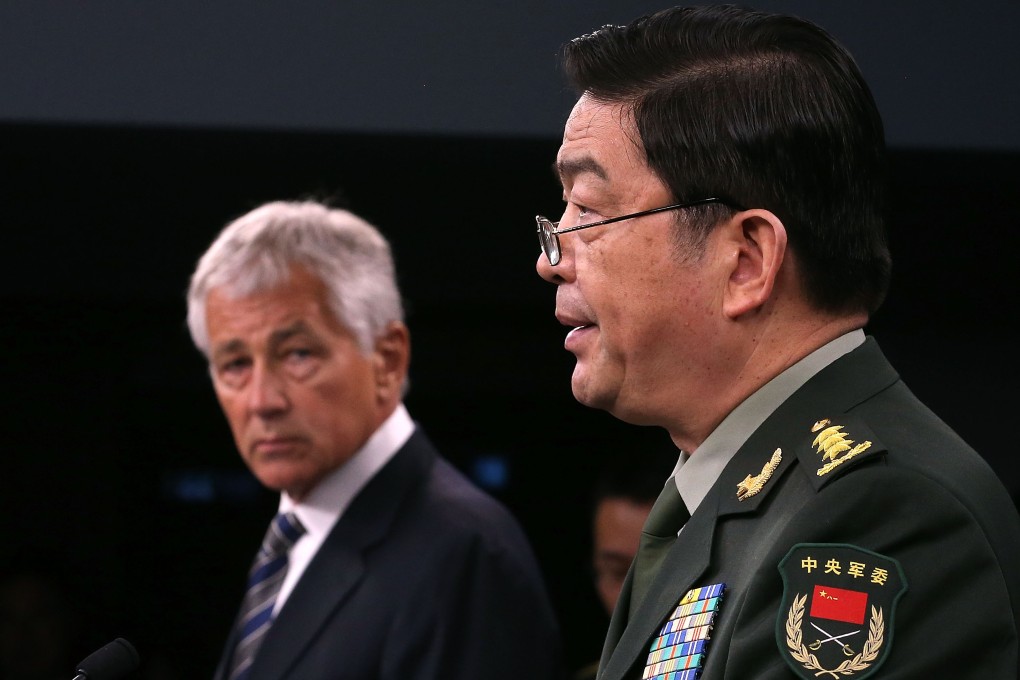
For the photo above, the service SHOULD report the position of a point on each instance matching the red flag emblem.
(839, 604)
(837, 622)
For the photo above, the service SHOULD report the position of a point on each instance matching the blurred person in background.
(383, 561)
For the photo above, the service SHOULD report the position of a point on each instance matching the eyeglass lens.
(547, 239)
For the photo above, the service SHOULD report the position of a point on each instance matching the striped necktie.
(264, 582)
(667, 517)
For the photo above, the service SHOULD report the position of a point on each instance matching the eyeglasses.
(548, 232)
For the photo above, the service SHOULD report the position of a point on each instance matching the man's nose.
(545, 270)
(564, 269)
(267, 395)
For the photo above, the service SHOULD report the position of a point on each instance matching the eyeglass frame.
(553, 231)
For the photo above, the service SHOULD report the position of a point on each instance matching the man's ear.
(757, 239)
(392, 356)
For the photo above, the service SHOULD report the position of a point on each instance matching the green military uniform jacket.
(875, 543)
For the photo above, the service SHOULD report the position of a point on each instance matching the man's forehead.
(592, 116)
(597, 136)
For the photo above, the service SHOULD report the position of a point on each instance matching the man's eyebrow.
(283, 334)
(276, 337)
(229, 347)
(571, 167)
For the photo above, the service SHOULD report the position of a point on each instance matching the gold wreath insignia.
(831, 442)
(752, 485)
(794, 640)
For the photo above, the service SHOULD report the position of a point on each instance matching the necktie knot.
(668, 514)
(283, 533)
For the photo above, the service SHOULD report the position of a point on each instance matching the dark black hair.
(765, 110)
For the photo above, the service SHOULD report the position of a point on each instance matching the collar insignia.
(752, 485)
(834, 445)
(837, 611)
(678, 651)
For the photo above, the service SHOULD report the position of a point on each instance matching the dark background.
(122, 483)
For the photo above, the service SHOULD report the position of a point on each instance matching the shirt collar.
(695, 475)
(324, 505)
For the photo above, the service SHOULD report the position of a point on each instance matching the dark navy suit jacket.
(424, 577)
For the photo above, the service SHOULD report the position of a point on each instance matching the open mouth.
(576, 333)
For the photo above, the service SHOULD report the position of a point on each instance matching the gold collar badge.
(753, 484)
(831, 442)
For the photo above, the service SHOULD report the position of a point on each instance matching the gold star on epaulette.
(752, 485)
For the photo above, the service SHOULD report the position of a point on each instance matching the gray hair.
(256, 251)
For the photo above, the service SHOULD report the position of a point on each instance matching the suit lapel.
(338, 566)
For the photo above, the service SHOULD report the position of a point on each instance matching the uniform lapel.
(682, 566)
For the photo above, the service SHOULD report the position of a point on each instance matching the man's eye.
(585, 214)
(234, 365)
(233, 371)
(301, 362)
(589, 214)
(299, 357)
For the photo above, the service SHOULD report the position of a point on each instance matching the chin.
(279, 480)
(579, 388)
(586, 395)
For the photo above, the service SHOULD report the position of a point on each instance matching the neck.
(764, 354)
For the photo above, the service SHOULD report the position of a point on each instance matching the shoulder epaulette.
(835, 446)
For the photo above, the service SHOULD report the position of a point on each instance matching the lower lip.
(576, 337)
(276, 446)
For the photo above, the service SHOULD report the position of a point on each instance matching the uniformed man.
(720, 253)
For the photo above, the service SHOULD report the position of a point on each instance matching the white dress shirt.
(326, 503)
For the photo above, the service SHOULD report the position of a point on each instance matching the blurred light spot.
(491, 471)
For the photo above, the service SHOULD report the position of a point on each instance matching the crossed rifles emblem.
(834, 639)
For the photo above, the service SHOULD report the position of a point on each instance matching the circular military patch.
(837, 611)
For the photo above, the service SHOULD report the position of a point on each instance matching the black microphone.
(110, 662)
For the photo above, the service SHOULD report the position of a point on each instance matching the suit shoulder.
(462, 504)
